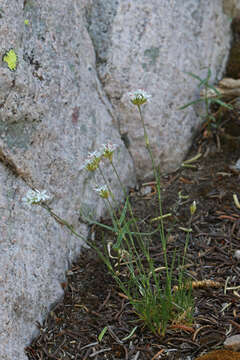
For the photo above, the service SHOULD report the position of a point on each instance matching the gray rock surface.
(34, 253)
(150, 45)
(76, 61)
(52, 113)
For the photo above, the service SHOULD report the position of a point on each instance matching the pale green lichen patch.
(29, 5)
(17, 135)
(93, 117)
(83, 129)
(152, 55)
(1, 13)
(11, 58)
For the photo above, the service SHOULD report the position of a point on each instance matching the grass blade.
(222, 103)
(190, 103)
(123, 214)
(102, 333)
(131, 334)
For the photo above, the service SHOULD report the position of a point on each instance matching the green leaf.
(193, 159)
(185, 229)
(208, 77)
(222, 103)
(122, 232)
(193, 75)
(131, 334)
(102, 333)
(102, 225)
(206, 80)
(123, 214)
(146, 234)
(190, 103)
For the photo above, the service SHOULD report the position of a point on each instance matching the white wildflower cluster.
(102, 191)
(108, 150)
(139, 97)
(93, 160)
(35, 197)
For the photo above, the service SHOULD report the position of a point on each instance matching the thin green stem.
(156, 174)
(186, 242)
(63, 222)
(114, 215)
(126, 196)
(119, 179)
(107, 183)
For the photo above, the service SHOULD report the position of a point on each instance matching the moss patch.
(152, 54)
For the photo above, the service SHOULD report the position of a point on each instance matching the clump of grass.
(148, 286)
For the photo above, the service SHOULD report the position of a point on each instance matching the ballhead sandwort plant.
(147, 285)
(148, 288)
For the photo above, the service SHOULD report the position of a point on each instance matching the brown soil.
(93, 301)
(220, 355)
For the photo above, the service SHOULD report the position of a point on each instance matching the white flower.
(108, 150)
(92, 161)
(139, 97)
(102, 191)
(35, 197)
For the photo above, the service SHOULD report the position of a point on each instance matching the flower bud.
(193, 208)
(108, 150)
(102, 191)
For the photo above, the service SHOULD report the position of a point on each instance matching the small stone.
(233, 342)
(220, 355)
(237, 165)
(237, 256)
(146, 190)
(236, 168)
